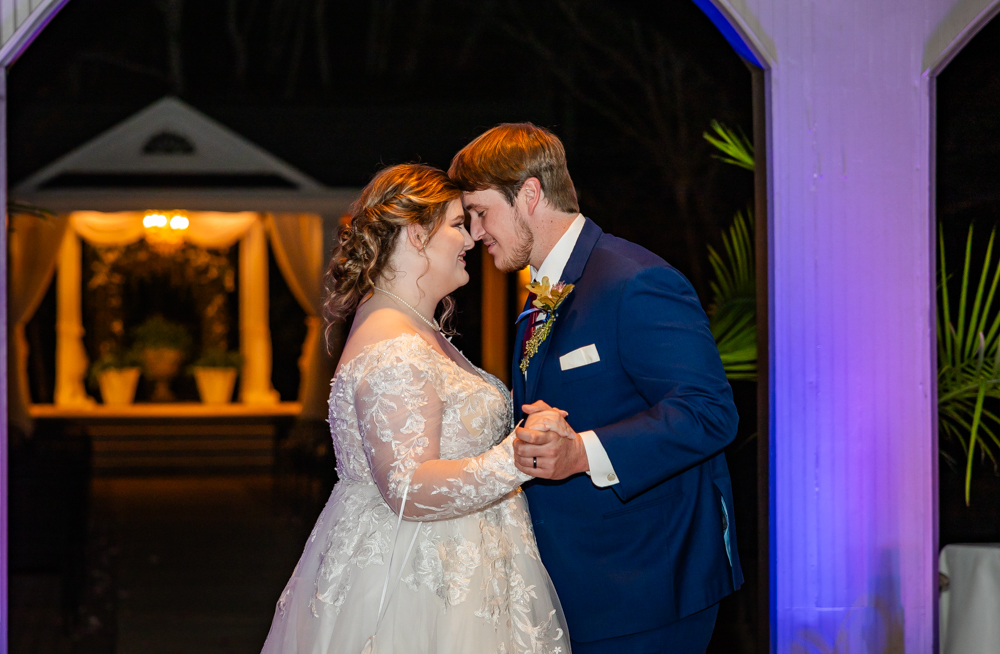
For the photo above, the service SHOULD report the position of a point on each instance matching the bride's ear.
(416, 236)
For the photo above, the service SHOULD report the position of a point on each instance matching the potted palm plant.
(162, 346)
(116, 374)
(215, 374)
(733, 312)
(968, 338)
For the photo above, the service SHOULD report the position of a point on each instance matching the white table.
(970, 605)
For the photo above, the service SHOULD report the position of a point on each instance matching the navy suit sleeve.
(668, 352)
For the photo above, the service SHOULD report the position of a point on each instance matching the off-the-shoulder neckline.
(364, 351)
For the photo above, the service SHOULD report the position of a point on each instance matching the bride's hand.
(543, 418)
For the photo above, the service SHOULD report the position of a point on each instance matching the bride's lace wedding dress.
(402, 414)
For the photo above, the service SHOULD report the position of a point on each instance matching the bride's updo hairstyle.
(407, 194)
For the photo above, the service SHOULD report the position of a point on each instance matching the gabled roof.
(170, 152)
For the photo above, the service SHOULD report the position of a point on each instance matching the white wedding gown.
(403, 414)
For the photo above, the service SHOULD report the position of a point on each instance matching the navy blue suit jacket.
(651, 549)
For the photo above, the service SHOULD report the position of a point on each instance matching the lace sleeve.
(400, 416)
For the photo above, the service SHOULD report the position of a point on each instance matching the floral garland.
(548, 299)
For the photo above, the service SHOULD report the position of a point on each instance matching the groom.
(633, 511)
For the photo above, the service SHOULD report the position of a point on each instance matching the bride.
(422, 434)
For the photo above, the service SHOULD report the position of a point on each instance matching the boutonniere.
(547, 299)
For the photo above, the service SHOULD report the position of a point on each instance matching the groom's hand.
(542, 417)
(547, 447)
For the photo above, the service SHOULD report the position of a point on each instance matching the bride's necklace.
(433, 324)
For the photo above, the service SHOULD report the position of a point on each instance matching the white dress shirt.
(601, 472)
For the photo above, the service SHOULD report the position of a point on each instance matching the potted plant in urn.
(116, 374)
(215, 374)
(162, 346)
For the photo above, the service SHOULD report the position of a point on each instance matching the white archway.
(849, 89)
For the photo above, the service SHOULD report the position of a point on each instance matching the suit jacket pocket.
(632, 507)
(582, 372)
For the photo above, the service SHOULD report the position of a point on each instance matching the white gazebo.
(171, 159)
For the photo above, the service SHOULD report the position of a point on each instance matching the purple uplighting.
(853, 444)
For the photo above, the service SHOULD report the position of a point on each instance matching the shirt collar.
(559, 256)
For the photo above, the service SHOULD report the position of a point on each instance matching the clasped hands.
(546, 446)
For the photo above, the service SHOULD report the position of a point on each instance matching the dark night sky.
(415, 81)
(412, 82)
(968, 162)
(406, 81)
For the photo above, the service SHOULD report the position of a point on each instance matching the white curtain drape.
(297, 242)
(206, 229)
(34, 244)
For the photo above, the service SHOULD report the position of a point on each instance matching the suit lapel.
(516, 377)
(571, 273)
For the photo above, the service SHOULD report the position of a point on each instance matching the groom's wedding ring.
(534, 462)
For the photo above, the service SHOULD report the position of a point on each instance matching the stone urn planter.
(118, 385)
(215, 385)
(161, 345)
(161, 365)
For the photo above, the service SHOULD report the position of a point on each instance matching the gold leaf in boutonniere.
(548, 298)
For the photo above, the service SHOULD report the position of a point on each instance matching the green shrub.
(157, 332)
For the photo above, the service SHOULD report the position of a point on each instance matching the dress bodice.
(413, 404)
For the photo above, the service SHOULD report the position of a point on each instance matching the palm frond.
(733, 312)
(969, 359)
(736, 148)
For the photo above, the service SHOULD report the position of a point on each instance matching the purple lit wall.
(853, 470)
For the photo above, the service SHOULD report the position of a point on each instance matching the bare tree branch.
(631, 75)
(173, 13)
(322, 43)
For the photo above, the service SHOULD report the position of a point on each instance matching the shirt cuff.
(601, 472)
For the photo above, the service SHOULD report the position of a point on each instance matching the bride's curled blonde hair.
(407, 194)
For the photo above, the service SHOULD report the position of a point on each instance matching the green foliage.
(157, 332)
(969, 362)
(207, 274)
(218, 358)
(733, 312)
(968, 346)
(736, 149)
(116, 360)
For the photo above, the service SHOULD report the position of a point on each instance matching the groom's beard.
(521, 254)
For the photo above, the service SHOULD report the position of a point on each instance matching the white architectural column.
(852, 361)
(255, 330)
(71, 355)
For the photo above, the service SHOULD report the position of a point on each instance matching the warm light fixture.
(154, 220)
(163, 233)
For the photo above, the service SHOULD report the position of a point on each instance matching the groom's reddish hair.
(507, 155)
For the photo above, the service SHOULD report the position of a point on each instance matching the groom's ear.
(531, 194)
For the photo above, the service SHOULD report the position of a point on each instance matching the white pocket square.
(583, 356)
